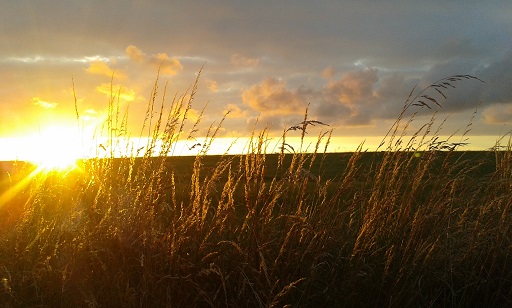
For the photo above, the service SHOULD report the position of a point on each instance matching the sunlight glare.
(56, 160)
(55, 148)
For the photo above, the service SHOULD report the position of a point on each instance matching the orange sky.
(353, 63)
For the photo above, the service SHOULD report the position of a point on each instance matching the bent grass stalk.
(415, 225)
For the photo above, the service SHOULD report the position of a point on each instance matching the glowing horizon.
(63, 150)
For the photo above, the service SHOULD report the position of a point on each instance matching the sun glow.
(56, 160)
(54, 148)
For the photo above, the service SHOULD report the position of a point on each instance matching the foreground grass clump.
(408, 226)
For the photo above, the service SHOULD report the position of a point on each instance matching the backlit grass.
(415, 224)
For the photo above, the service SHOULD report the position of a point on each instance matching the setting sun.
(55, 160)
(57, 147)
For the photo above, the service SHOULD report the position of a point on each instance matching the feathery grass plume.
(423, 99)
(413, 225)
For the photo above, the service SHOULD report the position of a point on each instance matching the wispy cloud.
(43, 103)
(239, 60)
(38, 59)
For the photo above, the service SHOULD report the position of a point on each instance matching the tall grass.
(413, 225)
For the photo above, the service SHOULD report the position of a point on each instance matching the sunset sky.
(354, 62)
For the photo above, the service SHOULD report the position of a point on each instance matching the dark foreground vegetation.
(401, 227)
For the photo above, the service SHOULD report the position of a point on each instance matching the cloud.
(498, 78)
(43, 104)
(328, 73)
(272, 97)
(498, 114)
(365, 96)
(354, 87)
(351, 100)
(124, 92)
(459, 47)
(89, 115)
(395, 86)
(235, 111)
(212, 85)
(193, 115)
(167, 65)
(361, 97)
(135, 54)
(239, 60)
(470, 94)
(357, 98)
(101, 68)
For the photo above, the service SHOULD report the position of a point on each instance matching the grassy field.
(413, 225)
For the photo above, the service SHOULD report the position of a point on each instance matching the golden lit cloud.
(44, 104)
(101, 68)
(354, 86)
(234, 111)
(272, 97)
(328, 73)
(193, 115)
(212, 85)
(239, 60)
(124, 92)
(168, 66)
(135, 53)
(350, 99)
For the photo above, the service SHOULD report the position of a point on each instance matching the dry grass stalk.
(414, 225)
